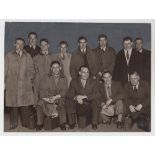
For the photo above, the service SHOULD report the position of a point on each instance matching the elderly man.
(52, 91)
(138, 99)
(84, 95)
(19, 73)
(32, 48)
(82, 56)
(111, 100)
(104, 57)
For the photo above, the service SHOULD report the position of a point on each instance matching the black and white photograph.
(77, 77)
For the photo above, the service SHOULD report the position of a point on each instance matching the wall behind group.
(56, 32)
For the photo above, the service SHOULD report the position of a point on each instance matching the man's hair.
(54, 62)
(138, 38)
(44, 39)
(105, 72)
(127, 38)
(63, 42)
(21, 39)
(102, 36)
(134, 73)
(32, 33)
(83, 66)
(82, 38)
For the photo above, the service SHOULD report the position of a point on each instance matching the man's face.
(44, 46)
(127, 44)
(82, 44)
(55, 69)
(103, 42)
(107, 78)
(19, 45)
(138, 44)
(32, 40)
(84, 73)
(63, 48)
(134, 79)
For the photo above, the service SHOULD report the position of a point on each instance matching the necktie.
(127, 55)
(109, 91)
(134, 88)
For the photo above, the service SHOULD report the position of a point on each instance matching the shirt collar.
(137, 86)
(33, 46)
(103, 48)
(19, 52)
(44, 52)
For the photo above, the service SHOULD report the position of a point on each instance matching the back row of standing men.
(99, 60)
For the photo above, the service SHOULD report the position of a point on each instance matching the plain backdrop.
(56, 32)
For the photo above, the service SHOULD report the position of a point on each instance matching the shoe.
(13, 127)
(72, 126)
(94, 126)
(39, 127)
(120, 125)
(63, 127)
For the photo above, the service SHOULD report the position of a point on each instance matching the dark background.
(70, 32)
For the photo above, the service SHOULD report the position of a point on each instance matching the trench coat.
(104, 61)
(66, 66)
(42, 67)
(77, 61)
(19, 73)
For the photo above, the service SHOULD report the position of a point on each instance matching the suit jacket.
(77, 61)
(90, 90)
(141, 96)
(31, 51)
(122, 69)
(116, 92)
(144, 65)
(104, 61)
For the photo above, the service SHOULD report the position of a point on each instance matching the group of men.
(99, 82)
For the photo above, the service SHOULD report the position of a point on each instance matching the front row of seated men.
(104, 100)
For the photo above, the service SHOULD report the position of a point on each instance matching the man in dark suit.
(112, 98)
(137, 98)
(82, 56)
(83, 94)
(143, 60)
(104, 57)
(126, 62)
(32, 48)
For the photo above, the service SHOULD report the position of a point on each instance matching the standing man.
(42, 63)
(82, 56)
(52, 90)
(32, 48)
(138, 99)
(83, 94)
(104, 57)
(126, 62)
(65, 58)
(19, 73)
(143, 60)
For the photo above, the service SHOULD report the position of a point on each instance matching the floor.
(101, 128)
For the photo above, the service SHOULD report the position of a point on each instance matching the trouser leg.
(62, 113)
(119, 107)
(94, 110)
(25, 115)
(40, 115)
(14, 116)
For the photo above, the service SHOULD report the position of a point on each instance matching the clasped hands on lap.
(52, 99)
(106, 105)
(79, 98)
(135, 108)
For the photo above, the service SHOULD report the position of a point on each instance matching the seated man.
(83, 95)
(111, 100)
(52, 90)
(138, 100)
